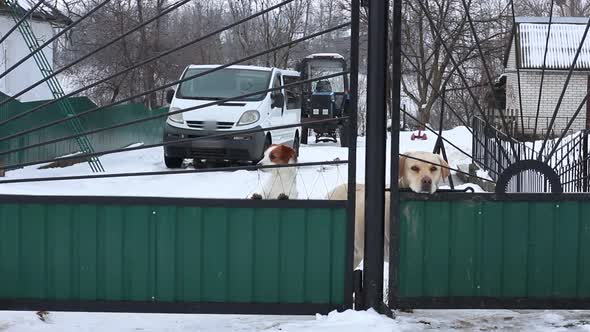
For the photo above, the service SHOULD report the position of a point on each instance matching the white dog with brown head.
(422, 175)
(282, 184)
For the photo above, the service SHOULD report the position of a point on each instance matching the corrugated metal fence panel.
(495, 249)
(102, 252)
(150, 132)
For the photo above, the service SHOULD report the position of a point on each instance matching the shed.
(44, 21)
(526, 51)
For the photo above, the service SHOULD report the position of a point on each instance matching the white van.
(260, 111)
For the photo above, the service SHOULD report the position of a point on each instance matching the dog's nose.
(426, 183)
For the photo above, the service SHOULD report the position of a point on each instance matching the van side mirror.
(169, 96)
(278, 100)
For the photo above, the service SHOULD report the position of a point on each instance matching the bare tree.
(117, 17)
(269, 30)
(437, 35)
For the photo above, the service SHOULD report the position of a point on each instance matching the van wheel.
(344, 136)
(304, 134)
(172, 162)
(296, 144)
(267, 143)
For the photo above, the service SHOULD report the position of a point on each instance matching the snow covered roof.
(325, 55)
(247, 67)
(45, 12)
(233, 67)
(564, 40)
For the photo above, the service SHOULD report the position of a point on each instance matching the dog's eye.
(415, 168)
(272, 156)
(433, 169)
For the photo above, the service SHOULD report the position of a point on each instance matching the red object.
(419, 135)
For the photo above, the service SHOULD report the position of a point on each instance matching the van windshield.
(224, 83)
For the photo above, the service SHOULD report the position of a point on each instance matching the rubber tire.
(304, 135)
(296, 143)
(267, 143)
(344, 137)
(172, 162)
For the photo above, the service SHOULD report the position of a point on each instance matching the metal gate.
(158, 254)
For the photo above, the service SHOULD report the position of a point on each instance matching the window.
(319, 68)
(292, 93)
(225, 83)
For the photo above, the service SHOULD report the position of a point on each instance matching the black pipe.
(177, 172)
(517, 45)
(394, 257)
(375, 156)
(542, 74)
(585, 157)
(352, 132)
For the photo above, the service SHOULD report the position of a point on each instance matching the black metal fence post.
(375, 160)
(352, 126)
(394, 166)
(585, 160)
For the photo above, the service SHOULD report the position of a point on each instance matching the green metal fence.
(181, 255)
(530, 251)
(147, 132)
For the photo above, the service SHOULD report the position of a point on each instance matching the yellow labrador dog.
(419, 176)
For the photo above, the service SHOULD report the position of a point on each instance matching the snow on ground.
(349, 321)
(315, 182)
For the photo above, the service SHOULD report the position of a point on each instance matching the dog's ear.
(402, 165)
(444, 169)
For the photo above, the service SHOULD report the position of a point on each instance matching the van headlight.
(248, 117)
(178, 118)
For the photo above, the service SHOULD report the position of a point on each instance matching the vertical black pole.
(585, 160)
(352, 131)
(394, 176)
(439, 146)
(485, 147)
(375, 160)
(404, 121)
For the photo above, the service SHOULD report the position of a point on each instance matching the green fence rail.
(150, 132)
(181, 255)
(485, 251)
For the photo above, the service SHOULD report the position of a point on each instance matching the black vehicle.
(324, 99)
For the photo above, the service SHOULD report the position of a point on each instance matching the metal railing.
(529, 128)
(570, 159)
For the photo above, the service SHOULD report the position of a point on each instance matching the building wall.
(552, 88)
(553, 84)
(13, 50)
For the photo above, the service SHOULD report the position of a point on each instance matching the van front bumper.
(238, 147)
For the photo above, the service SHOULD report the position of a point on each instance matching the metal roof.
(558, 19)
(564, 41)
(45, 12)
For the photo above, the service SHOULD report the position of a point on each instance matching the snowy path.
(350, 321)
(313, 182)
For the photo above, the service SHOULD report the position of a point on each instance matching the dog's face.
(279, 154)
(422, 177)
